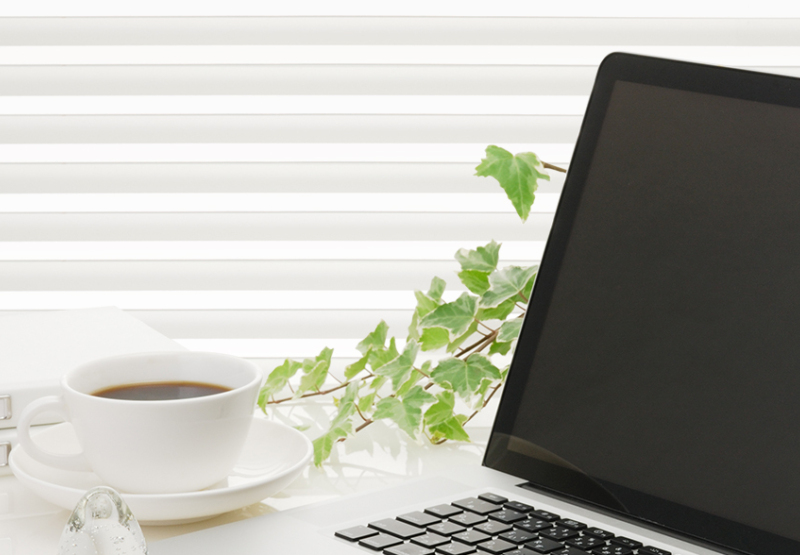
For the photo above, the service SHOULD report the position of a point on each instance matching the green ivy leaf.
(379, 357)
(475, 281)
(434, 338)
(482, 391)
(440, 420)
(406, 413)
(377, 382)
(441, 410)
(456, 343)
(529, 287)
(314, 372)
(499, 312)
(518, 175)
(400, 368)
(456, 316)
(375, 340)
(452, 429)
(341, 425)
(464, 376)
(353, 369)
(437, 288)
(425, 305)
(365, 403)
(411, 382)
(509, 331)
(507, 284)
(482, 259)
(277, 380)
(499, 348)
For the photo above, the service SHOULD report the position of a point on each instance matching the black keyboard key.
(418, 518)
(443, 511)
(496, 546)
(518, 536)
(408, 549)
(471, 537)
(396, 528)
(446, 528)
(544, 545)
(587, 543)
(599, 533)
(569, 551)
(492, 527)
(507, 516)
(650, 550)
(430, 540)
(558, 533)
(475, 505)
(468, 519)
(521, 551)
(545, 515)
(455, 548)
(533, 525)
(627, 542)
(519, 507)
(573, 524)
(612, 550)
(379, 542)
(356, 533)
(493, 498)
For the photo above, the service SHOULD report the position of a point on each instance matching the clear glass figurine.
(102, 524)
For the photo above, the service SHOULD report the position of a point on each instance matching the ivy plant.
(438, 397)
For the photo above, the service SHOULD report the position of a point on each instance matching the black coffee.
(161, 391)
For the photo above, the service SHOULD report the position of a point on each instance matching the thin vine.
(428, 399)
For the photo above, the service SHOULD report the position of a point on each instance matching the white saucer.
(273, 456)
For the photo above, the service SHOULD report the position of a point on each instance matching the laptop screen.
(661, 378)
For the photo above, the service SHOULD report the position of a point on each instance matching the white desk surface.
(378, 456)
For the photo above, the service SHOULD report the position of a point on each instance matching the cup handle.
(52, 404)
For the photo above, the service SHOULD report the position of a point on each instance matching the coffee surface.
(161, 391)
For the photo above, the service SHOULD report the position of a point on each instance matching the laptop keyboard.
(490, 524)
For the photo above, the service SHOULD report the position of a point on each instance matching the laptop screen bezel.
(666, 516)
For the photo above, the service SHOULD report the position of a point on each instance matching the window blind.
(270, 185)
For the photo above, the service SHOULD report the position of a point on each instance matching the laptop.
(653, 401)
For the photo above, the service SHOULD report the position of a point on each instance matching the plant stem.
(313, 394)
(479, 345)
(552, 167)
(485, 402)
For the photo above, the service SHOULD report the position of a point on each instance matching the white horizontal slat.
(274, 324)
(254, 324)
(199, 275)
(289, 128)
(297, 348)
(280, 152)
(275, 177)
(290, 79)
(387, 54)
(389, 30)
(268, 202)
(294, 104)
(254, 250)
(471, 8)
(213, 300)
(274, 348)
(378, 225)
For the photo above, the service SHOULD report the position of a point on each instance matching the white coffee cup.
(165, 446)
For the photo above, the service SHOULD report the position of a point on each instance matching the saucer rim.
(181, 496)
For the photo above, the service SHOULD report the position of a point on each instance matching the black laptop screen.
(665, 378)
